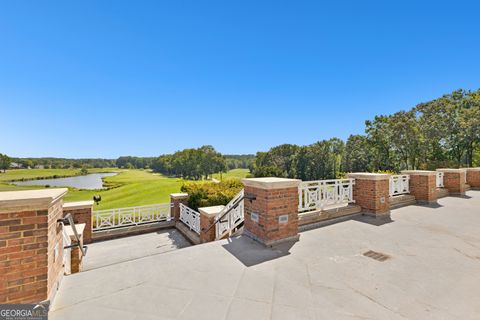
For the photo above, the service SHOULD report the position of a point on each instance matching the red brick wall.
(455, 181)
(76, 260)
(205, 223)
(175, 208)
(55, 242)
(82, 215)
(423, 187)
(23, 256)
(372, 195)
(473, 178)
(269, 205)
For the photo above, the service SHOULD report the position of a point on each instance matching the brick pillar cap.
(210, 211)
(419, 172)
(369, 176)
(451, 170)
(78, 205)
(271, 183)
(80, 227)
(30, 199)
(473, 169)
(178, 195)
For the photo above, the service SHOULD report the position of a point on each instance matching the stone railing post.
(423, 185)
(273, 216)
(371, 192)
(207, 218)
(31, 245)
(175, 200)
(81, 212)
(454, 180)
(473, 178)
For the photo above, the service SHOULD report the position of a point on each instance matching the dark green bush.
(206, 194)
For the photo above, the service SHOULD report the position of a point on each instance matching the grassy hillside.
(235, 173)
(132, 188)
(30, 174)
(128, 188)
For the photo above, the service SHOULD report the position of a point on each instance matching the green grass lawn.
(235, 173)
(128, 188)
(30, 174)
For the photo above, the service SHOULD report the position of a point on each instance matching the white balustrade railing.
(233, 218)
(440, 179)
(399, 184)
(132, 216)
(315, 195)
(190, 217)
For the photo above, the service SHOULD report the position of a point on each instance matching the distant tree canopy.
(4, 162)
(63, 163)
(128, 162)
(191, 163)
(244, 161)
(444, 132)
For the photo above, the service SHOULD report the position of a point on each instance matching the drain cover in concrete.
(376, 255)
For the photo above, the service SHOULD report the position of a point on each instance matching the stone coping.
(80, 228)
(26, 200)
(78, 205)
(178, 195)
(419, 172)
(270, 183)
(452, 170)
(211, 211)
(369, 176)
(473, 169)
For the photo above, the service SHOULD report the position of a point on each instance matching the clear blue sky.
(111, 78)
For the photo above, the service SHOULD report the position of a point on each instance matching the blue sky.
(111, 78)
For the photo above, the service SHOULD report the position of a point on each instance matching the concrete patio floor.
(104, 253)
(433, 273)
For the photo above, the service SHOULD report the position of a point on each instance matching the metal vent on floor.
(376, 255)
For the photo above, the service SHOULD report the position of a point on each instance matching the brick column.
(273, 217)
(175, 200)
(371, 192)
(473, 178)
(82, 213)
(76, 260)
(454, 180)
(31, 245)
(423, 185)
(207, 218)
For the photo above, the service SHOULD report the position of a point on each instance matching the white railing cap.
(473, 169)
(271, 183)
(452, 170)
(368, 176)
(419, 172)
(211, 211)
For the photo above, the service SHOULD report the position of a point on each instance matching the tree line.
(56, 163)
(242, 161)
(191, 164)
(444, 132)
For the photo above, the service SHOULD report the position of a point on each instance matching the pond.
(89, 181)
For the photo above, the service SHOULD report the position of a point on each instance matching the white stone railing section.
(190, 218)
(399, 184)
(233, 219)
(132, 216)
(440, 179)
(317, 195)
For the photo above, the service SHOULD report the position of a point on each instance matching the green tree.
(5, 162)
(357, 156)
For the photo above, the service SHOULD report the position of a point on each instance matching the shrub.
(206, 194)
